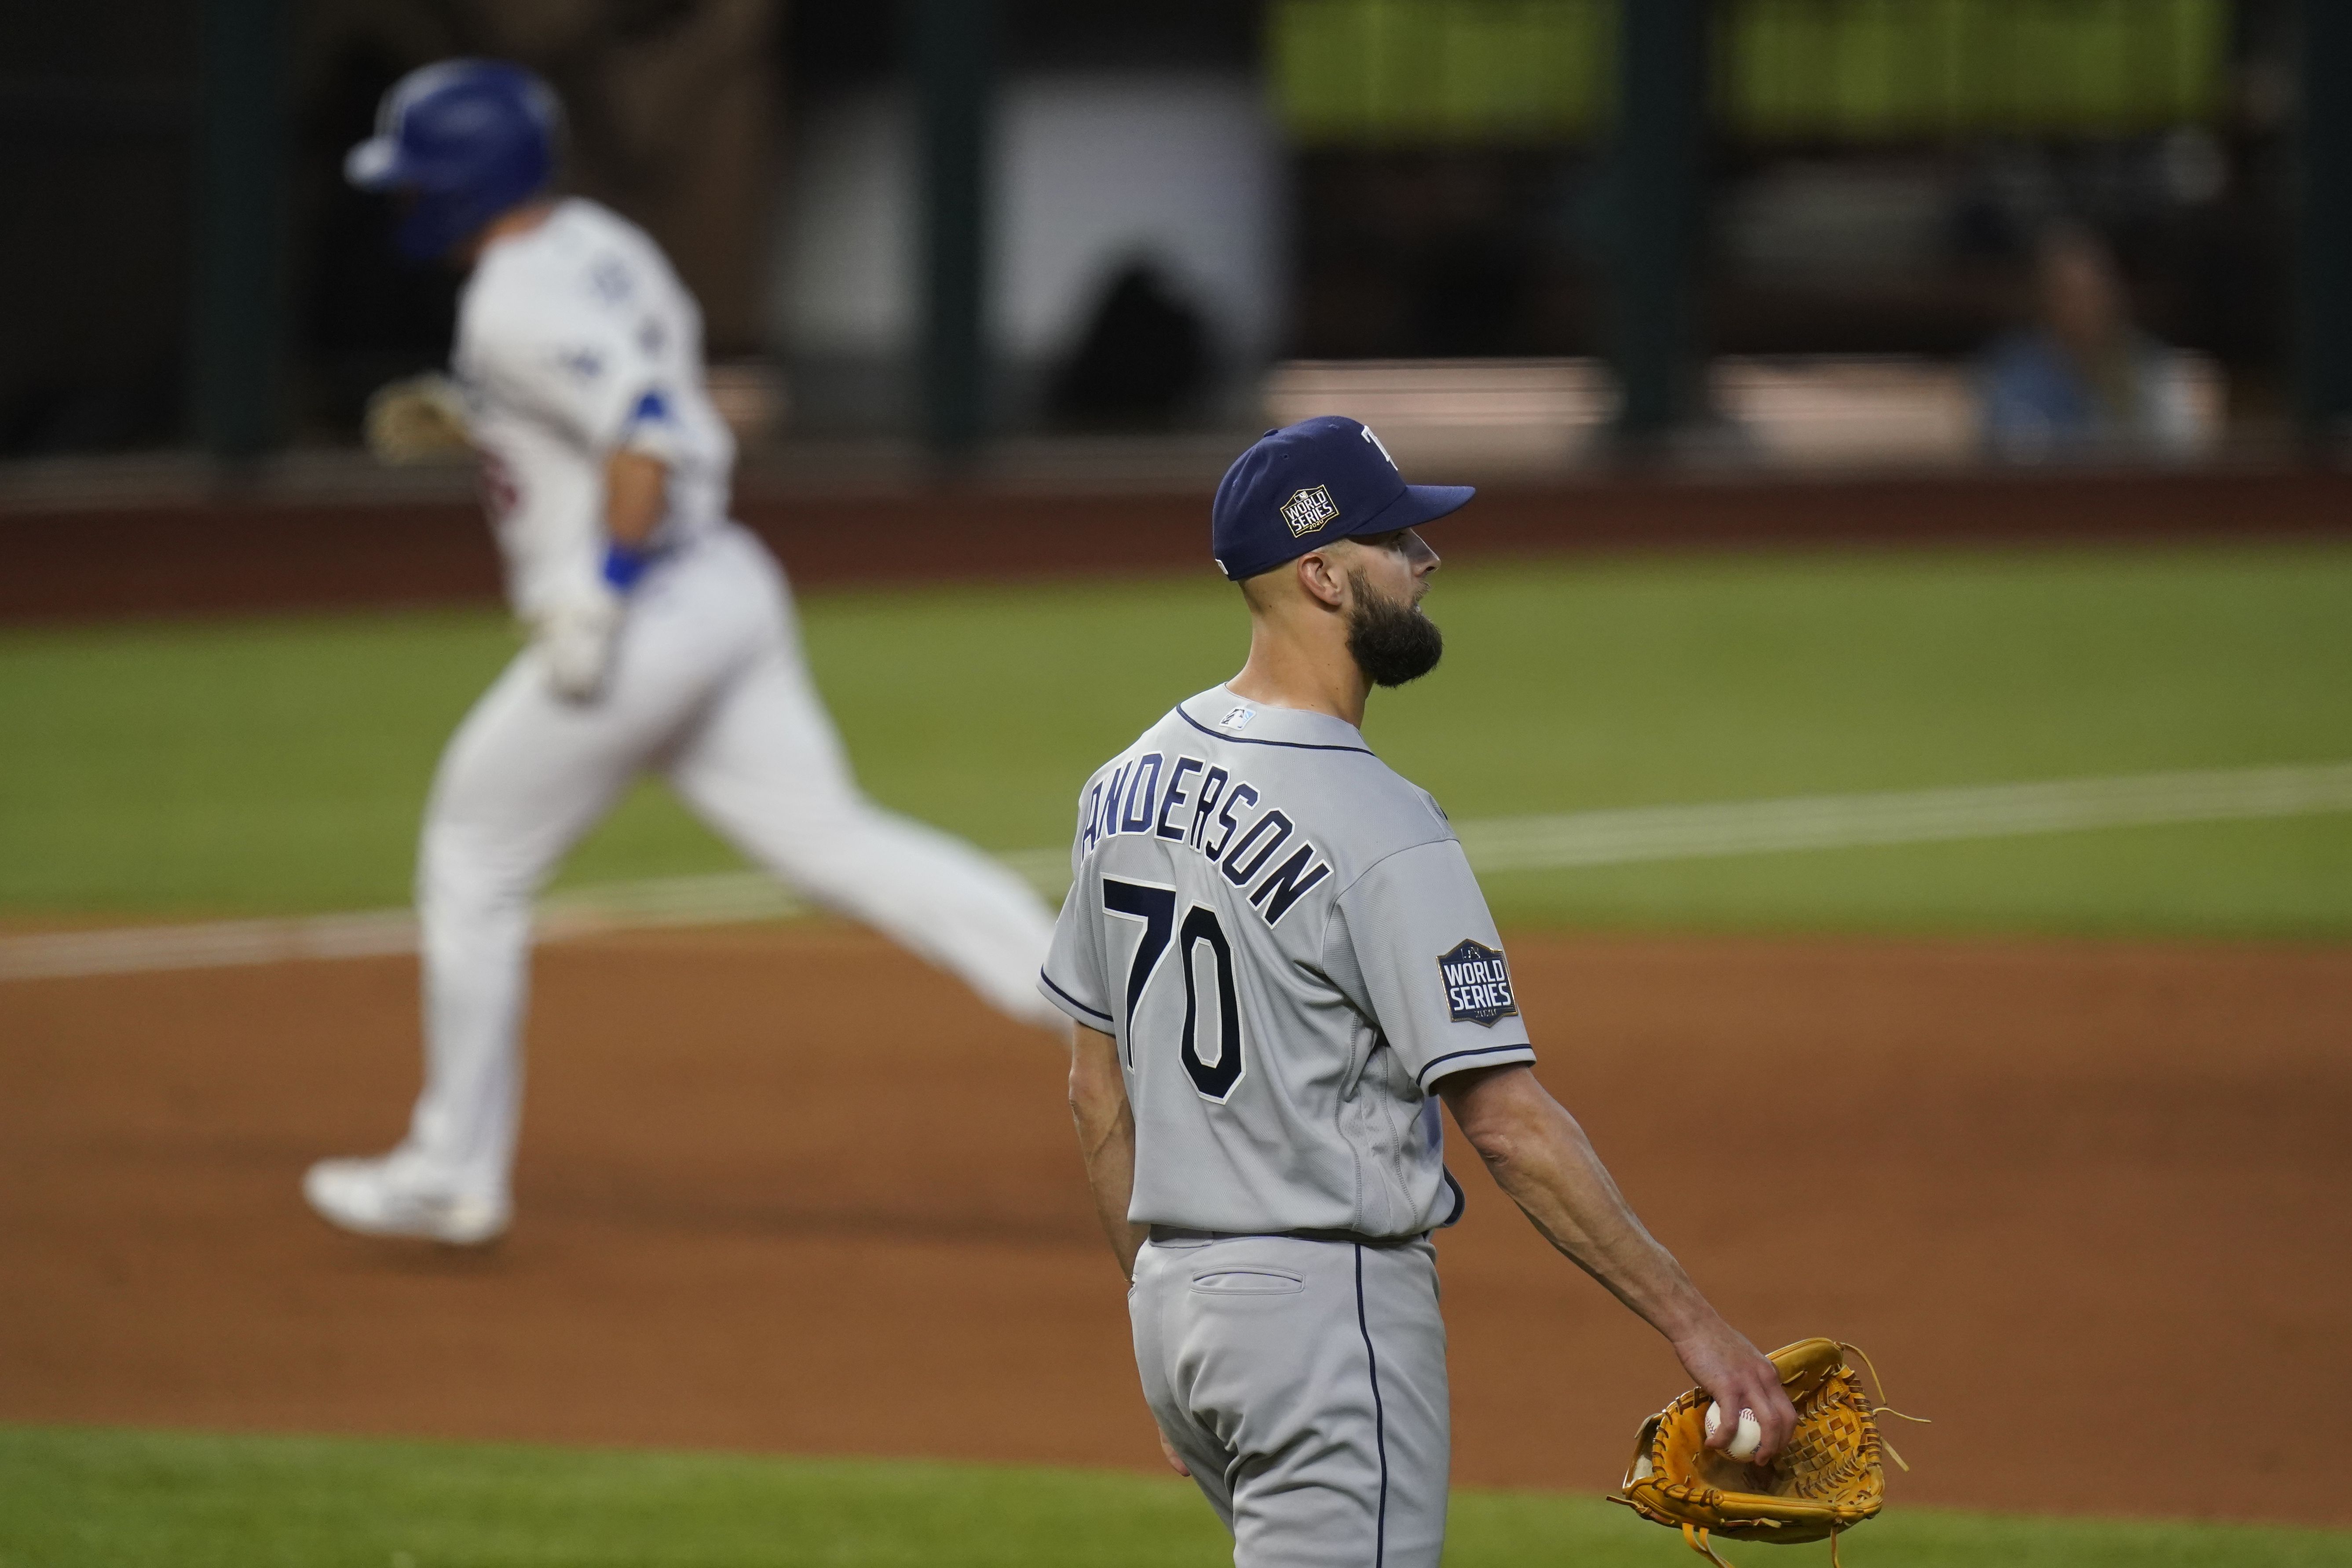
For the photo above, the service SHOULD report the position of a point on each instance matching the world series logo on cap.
(1308, 510)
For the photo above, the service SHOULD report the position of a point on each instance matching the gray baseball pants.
(1304, 1385)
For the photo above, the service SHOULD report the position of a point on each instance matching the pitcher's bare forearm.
(1541, 1158)
(636, 493)
(1105, 1125)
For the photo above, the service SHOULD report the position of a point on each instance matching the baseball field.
(1950, 950)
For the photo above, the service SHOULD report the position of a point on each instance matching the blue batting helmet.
(467, 139)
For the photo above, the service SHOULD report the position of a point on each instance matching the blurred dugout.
(1760, 229)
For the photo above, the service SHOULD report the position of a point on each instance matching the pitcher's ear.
(1323, 577)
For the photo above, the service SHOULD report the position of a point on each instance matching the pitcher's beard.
(1393, 643)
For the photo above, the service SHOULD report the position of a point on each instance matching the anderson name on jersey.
(575, 339)
(1288, 942)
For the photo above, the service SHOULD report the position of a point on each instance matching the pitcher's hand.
(1738, 1377)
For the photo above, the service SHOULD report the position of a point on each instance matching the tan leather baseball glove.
(1826, 1480)
(419, 420)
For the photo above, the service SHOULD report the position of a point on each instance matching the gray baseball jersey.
(1286, 940)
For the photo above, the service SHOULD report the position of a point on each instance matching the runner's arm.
(635, 495)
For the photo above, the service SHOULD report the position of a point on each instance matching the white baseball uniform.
(1288, 942)
(574, 340)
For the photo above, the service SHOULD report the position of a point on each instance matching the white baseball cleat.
(390, 1196)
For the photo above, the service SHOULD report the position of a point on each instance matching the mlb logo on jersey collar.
(1302, 486)
(1237, 719)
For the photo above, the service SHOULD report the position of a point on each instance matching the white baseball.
(1746, 1440)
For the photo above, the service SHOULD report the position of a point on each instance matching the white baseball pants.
(708, 688)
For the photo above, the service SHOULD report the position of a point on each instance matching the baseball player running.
(662, 637)
(1279, 964)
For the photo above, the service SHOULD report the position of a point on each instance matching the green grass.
(280, 764)
(123, 1499)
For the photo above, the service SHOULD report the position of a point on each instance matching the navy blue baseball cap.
(1305, 485)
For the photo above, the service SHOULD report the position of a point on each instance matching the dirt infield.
(2089, 1206)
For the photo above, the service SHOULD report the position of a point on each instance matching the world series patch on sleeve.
(1477, 983)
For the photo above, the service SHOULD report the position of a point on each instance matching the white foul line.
(1495, 845)
(1912, 816)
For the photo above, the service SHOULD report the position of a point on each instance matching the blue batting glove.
(624, 566)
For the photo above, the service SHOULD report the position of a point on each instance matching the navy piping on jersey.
(1090, 1012)
(1379, 1416)
(1461, 1198)
(1246, 741)
(1448, 1056)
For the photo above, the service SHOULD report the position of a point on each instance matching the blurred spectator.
(2086, 381)
(1144, 357)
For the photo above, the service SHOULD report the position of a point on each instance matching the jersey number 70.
(1156, 908)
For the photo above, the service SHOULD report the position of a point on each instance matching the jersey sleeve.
(1412, 943)
(1073, 978)
(589, 371)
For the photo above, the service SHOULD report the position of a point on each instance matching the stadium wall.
(239, 555)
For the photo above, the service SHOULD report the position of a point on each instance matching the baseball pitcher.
(662, 637)
(1280, 963)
